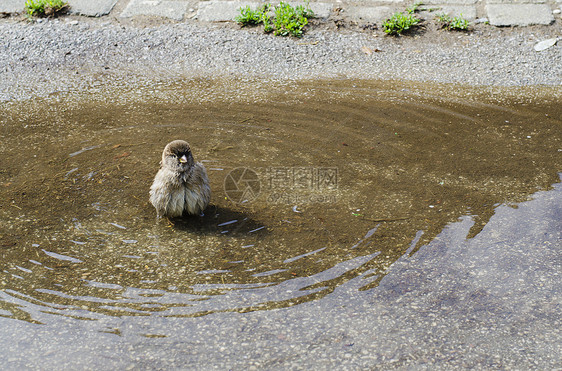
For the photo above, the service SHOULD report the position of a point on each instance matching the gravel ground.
(64, 54)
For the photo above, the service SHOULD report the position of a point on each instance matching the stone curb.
(168, 9)
(372, 14)
(499, 12)
(467, 12)
(224, 11)
(519, 14)
(11, 6)
(89, 8)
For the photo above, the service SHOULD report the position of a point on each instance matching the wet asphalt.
(490, 302)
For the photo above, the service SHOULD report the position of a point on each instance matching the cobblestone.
(499, 12)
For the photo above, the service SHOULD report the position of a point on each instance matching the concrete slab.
(519, 14)
(516, 1)
(88, 8)
(12, 6)
(91, 8)
(221, 11)
(468, 12)
(168, 9)
(321, 10)
(448, 2)
(224, 11)
(373, 14)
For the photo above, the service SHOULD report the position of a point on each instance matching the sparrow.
(181, 186)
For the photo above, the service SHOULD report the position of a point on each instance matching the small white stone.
(545, 44)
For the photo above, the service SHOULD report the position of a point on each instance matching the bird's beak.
(183, 159)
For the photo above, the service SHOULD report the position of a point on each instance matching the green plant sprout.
(457, 23)
(291, 21)
(414, 7)
(45, 8)
(287, 20)
(249, 17)
(399, 23)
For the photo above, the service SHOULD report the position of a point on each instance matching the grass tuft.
(250, 17)
(400, 23)
(45, 8)
(287, 20)
(291, 21)
(455, 23)
(414, 7)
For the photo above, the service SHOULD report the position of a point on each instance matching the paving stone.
(12, 6)
(321, 10)
(168, 9)
(468, 12)
(375, 14)
(516, 1)
(91, 8)
(519, 14)
(88, 8)
(222, 11)
(499, 12)
(449, 2)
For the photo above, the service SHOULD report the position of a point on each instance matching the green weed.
(266, 19)
(45, 8)
(414, 7)
(249, 17)
(456, 23)
(443, 18)
(287, 20)
(399, 23)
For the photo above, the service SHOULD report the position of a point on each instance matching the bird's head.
(177, 156)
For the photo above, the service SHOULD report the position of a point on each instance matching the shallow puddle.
(314, 184)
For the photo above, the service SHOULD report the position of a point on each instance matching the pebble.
(545, 44)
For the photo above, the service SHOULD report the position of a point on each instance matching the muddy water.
(335, 180)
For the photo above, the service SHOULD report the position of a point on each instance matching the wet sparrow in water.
(181, 185)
